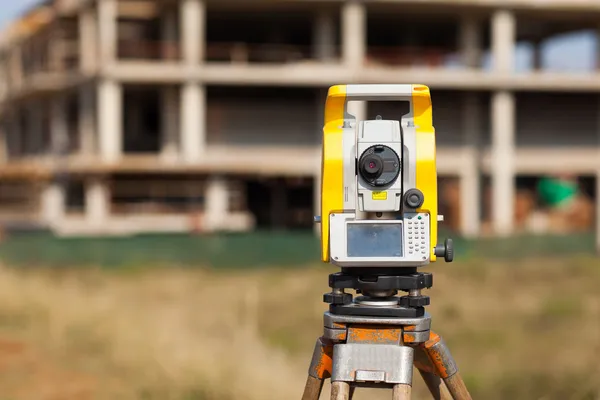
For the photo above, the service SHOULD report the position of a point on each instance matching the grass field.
(527, 329)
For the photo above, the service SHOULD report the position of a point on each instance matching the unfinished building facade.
(123, 116)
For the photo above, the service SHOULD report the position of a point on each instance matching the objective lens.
(371, 167)
(379, 166)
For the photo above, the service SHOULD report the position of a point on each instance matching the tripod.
(376, 339)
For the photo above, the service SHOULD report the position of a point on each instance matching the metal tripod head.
(377, 289)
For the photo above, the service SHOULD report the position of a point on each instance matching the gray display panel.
(374, 240)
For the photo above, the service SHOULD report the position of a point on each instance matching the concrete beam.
(137, 9)
(311, 75)
(503, 162)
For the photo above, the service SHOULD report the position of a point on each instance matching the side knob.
(446, 250)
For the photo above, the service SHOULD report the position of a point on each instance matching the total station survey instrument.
(379, 220)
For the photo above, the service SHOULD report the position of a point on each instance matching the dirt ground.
(519, 330)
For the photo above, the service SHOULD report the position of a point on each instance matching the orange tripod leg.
(320, 369)
(445, 366)
(434, 383)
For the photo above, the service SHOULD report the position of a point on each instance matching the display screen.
(374, 240)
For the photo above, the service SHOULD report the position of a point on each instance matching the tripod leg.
(320, 368)
(401, 392)
(436, 386)
(457, 387)
(313, 388)
(445, 366)
(352, 389)
(340, 390)
(434, 383)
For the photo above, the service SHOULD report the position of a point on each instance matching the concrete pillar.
(217, 203)
(56, 50)
(324, 36)
(470, 183)
(170, 124)
(503, 41)
(193, 121)
(59, 135)
(4, 128)
(470, 41)
(14, 135)
(87, 120)
(97, 201)
(354, 33)
(53, 202)
(88, 33)
(598, 48)
(107, 31)
(34, 136)
(358, 109)
(598, 183)
(169, 35)
(16, 67)
(537, 55)
(110, 120)
(503, 160)
(598, 209)
(279, 204)
(193, 26)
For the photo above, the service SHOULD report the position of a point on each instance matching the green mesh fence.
(251, 250)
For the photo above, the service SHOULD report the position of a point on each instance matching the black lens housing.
(371, 172)
(379, 166)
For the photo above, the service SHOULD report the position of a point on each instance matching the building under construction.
(124, 116)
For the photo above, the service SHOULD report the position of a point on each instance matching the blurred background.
(159, 173)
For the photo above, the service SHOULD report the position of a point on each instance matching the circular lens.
(372, 167)
(379, 166)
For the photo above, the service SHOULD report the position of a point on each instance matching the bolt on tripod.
(377, 338)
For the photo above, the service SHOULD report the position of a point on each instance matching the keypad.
(417, 232)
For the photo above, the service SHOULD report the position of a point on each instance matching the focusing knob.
(414, 198)
(446, 250)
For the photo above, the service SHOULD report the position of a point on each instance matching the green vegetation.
(520, 329)
(251, 250)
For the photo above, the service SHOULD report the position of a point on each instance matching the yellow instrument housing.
(332, 185)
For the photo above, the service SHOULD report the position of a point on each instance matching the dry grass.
(528, 330)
